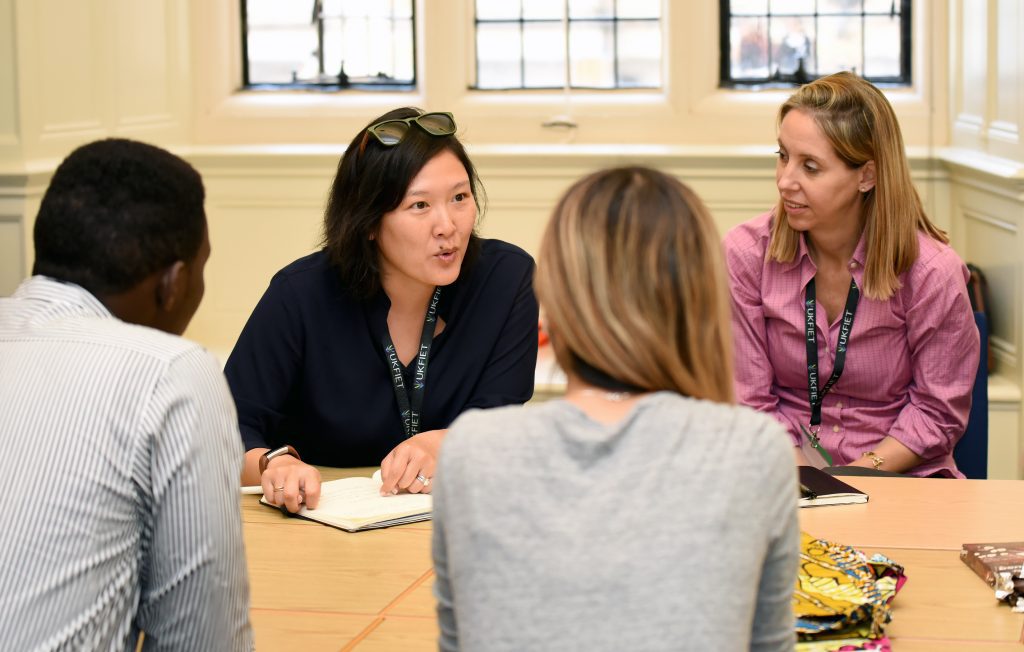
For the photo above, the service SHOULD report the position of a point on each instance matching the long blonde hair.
(632, 283)
(861, 126)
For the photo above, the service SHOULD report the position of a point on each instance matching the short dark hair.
(372, 179)
(116, 211)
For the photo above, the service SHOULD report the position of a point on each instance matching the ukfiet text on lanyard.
(410, 408)
(816, 396)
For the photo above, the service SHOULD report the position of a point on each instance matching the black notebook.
(819, 488)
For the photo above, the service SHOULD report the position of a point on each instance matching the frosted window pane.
(261, 13)
(497, 9)
(542, 9)
(881, 46)
(591, 8)
(638, 8)
(499, 53)
(591, 53)
(749, 7)
(842, 34)
(749, 55)
(374, 40)
(840, 6)
(792, 6)
(639, 55)
(882, 6)
(544, 50)
(368, 49)
(281, 55)
(792, 40)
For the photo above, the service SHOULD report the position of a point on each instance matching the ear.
(172, 286)
(867, 177)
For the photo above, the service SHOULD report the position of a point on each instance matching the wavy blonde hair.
(861, 126)
(632, 283)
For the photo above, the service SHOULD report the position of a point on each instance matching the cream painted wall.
(166, 71)
(690, 110)
(265, 211)
(74, 71)
(986, 160)
(9, 128)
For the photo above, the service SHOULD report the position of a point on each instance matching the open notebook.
(354, 504)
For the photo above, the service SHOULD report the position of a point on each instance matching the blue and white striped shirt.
(119, 466)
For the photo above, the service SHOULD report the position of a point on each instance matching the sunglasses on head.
(391, 132)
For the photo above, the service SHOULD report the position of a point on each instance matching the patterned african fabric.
(842, 597)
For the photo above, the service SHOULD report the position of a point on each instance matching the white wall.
(690, 110)
(266, 210)
(986, 160)
(166, 71)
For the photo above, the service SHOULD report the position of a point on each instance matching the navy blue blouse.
(309, 368)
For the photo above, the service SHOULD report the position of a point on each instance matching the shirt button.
(853, 264)
(839, 404)
(835, 428)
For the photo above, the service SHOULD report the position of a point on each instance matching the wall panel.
(69, 65)
(1007, 112)
(992, 240)
(10, 151)
(144, 61)
(11, 254)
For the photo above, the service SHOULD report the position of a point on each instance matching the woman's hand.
(410, 465)
(291, 482)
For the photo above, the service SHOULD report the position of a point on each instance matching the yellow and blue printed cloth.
(842, 597)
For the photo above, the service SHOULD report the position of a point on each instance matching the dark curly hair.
(372, 179)
(116, 211)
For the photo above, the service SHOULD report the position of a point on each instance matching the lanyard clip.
(811, 432)
(812, 435)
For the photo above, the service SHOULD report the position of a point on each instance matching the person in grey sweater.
(644, 511)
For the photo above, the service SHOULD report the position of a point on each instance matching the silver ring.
(425, 481)
(281, 488)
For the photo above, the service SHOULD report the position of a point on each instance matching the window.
(769, 42)
(597, 44)
(329, 44)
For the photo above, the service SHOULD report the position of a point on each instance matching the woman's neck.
(407, 297)
(599, 404)
(835, 247)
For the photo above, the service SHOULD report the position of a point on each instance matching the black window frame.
(340, 84)
(569, 20)
(725, 80)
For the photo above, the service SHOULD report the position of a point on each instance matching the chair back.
(971, 452)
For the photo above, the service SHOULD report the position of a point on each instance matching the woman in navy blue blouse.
(365, 351)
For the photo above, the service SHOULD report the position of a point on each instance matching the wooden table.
(318, 588)
(921, 523)
(314, 587)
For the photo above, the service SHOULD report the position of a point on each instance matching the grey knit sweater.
(675, 529)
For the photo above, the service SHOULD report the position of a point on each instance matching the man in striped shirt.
(119, 445)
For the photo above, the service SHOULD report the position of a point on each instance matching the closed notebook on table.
(354, 504)
(818, 488)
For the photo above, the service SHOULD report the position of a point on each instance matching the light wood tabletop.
(318, 588)
(925, 513)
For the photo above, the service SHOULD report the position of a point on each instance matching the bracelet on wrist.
(876, 460)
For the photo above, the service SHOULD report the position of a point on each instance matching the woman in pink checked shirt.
(851, 319)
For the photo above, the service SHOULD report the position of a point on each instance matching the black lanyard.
(810, 331)
(410, 411)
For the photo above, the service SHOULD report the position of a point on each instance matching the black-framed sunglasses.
(390, 132)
